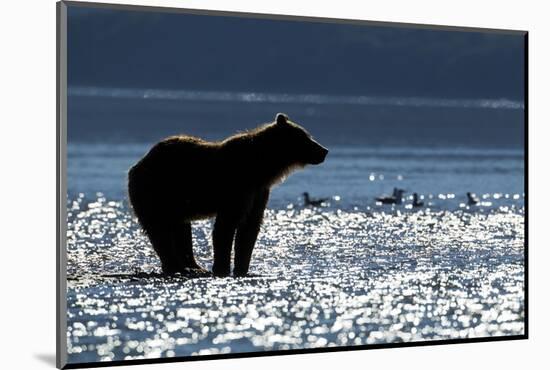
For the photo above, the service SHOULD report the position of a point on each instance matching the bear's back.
(174, 174)
(187, 151)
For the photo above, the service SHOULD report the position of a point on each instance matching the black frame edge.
(292, 352)
(227, 13)
(61, 144)
(526, 183)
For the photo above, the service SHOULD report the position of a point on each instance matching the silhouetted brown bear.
(184, 178)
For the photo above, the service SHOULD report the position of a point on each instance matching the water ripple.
(319, 277)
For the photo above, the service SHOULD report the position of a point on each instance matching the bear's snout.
(320, 154)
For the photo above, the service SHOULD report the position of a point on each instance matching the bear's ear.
(281, 118)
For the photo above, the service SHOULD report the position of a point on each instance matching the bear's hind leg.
(184, 247)
(162, 239)
(247, 233)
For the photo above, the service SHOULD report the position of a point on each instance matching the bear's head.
(298, 143)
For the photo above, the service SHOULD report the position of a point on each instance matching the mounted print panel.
(242, 184)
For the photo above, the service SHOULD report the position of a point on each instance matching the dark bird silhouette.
(416, 202)
(472, 199)
(313, 202)
(395, 198)
(397, 190)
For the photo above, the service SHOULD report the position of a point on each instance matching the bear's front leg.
(223, 234)
(247, 233)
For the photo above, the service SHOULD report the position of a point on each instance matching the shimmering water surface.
(352, 272)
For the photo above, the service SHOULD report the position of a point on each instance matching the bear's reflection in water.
(332, 278)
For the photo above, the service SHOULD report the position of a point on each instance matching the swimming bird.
(472, 199)
(313, 202)
(417, 203)
(397, 190)
(395, 198)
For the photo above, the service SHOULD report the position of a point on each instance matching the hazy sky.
(123, 49)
